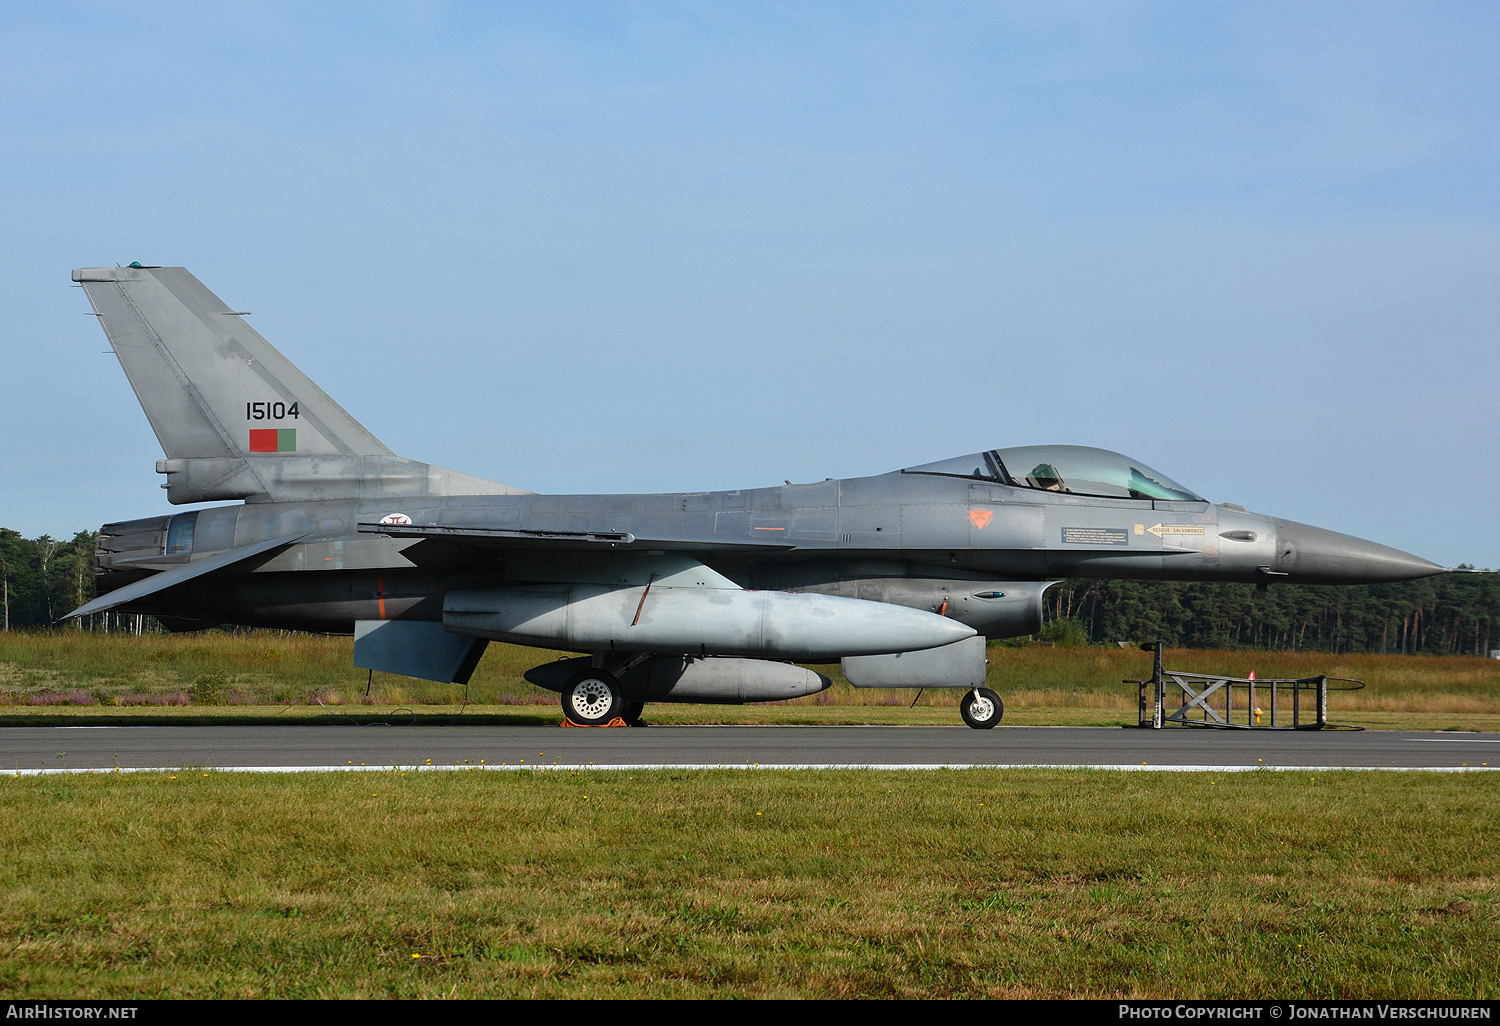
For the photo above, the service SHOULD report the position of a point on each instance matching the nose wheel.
(981, 708)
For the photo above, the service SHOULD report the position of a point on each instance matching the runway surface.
(52, 749)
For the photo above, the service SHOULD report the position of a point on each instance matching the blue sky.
(665, 246)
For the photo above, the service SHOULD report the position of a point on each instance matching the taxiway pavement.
(304, 747)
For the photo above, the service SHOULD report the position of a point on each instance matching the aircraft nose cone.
(1311, 555)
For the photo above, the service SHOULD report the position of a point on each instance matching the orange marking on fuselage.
(980, 518)
(380, 594)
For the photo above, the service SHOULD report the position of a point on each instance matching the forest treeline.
(1452, 614)
(44, 578)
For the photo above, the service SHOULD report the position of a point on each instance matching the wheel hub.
(591, 698)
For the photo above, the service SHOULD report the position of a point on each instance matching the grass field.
(742, 884)
(240, 674)
(732, 884)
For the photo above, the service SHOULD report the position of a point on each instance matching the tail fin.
(236, 419)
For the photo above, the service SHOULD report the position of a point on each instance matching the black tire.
(592, 697)
(981, 708)
(631, 714)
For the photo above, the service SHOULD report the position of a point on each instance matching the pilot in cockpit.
(1045, 477)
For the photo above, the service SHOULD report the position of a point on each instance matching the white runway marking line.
(616, 767)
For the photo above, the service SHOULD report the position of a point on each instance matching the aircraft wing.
(179, 575)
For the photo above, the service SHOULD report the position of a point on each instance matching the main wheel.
(981, 708)
(631, 714)
(592, 697)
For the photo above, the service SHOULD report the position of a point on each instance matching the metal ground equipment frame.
(1216, 700)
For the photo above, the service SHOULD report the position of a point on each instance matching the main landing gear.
(981, 708)
(593, 698)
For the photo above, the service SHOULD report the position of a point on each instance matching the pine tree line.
(1451, 614)
(44, 578)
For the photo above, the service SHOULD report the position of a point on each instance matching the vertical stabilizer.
(210, 385)
(235, 418)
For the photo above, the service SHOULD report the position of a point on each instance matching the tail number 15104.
(271, 411)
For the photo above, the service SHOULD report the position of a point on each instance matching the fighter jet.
(679, 597)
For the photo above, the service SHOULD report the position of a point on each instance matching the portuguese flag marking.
(273, 439)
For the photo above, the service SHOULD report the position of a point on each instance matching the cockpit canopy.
(1074, 469)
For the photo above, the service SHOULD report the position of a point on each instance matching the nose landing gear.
(981, 708)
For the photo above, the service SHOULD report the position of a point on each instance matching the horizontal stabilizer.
(179, 575)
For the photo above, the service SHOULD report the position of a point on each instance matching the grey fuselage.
(924, 540)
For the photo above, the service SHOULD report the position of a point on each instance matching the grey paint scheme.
(342, 532)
